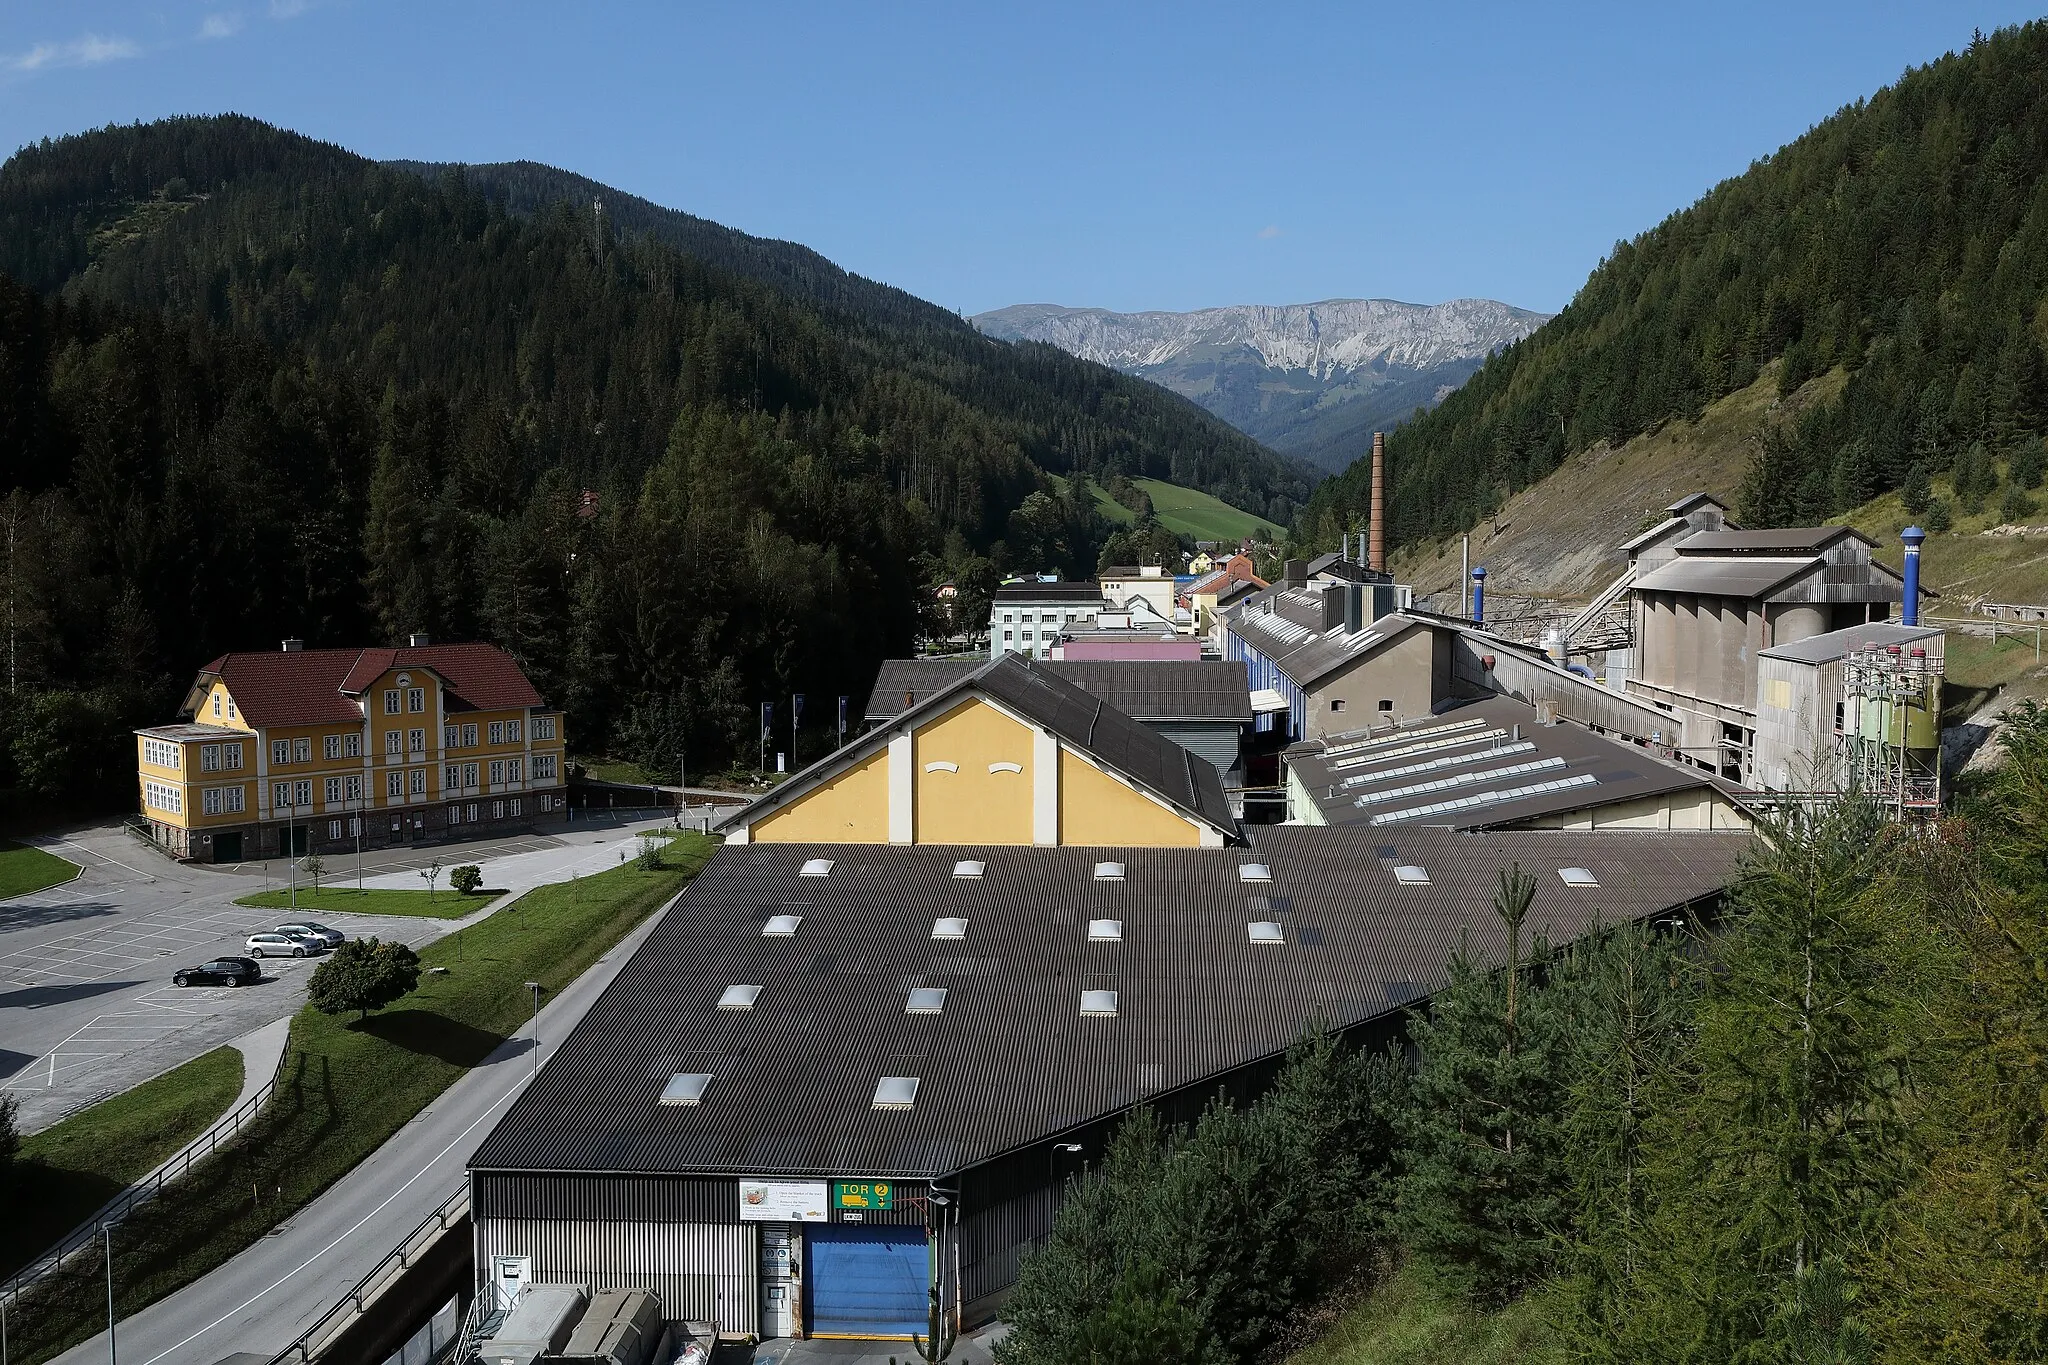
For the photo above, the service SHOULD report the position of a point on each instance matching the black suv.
(222, 971)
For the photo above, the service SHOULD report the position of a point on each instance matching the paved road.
(87, 1009)
(264, 1298)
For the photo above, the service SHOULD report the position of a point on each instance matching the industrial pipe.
(1479, 595)
(1913, 536)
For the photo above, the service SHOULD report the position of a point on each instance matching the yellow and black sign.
(863, 1194)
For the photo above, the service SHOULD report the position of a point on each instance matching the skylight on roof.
(1254, 872)
(926, 1000)
(1105, 931)
(1466, 779)
(685, 1088)
(1109, 872)
(816, 867)
(896, 1092)
(1098, 1004)
(1408, 874)
(969, 867)
(949, 927)
(1577, 876)
(1265, 931)
(1487, 798)
(781, 926)
(739, 997)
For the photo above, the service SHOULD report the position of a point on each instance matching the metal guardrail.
(122, 1204)
(396, 1262)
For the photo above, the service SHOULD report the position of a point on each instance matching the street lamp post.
(291, 842)
(1052, 1207)
(107, 1232)
(535, 987)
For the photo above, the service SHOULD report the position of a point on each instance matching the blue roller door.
(867, 1281)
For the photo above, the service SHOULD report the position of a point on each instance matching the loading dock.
(867, 1281)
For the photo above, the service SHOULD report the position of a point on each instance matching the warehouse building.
(838, 1074)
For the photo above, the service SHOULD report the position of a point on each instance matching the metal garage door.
(868, 1281)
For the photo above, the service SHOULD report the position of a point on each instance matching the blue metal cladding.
(1263, 672)
(868, 1281)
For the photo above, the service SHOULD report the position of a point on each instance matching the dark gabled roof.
(319, 686)
(1491, 762)
(1335, 565)
(1150, 760)
(1692, 500)
(1145, 689)
(1050, 592)
(1730, 576)
(1785, 540)
(1302, 649)
(1010, 1061)
(1838, 644)
(1654, 534)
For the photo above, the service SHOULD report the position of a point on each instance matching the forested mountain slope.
(252, 385)
(1904, 239)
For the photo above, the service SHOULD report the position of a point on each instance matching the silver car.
(307, 928)
(277, 945)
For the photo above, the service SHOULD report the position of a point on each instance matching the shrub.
(364, 974)
(466, 879)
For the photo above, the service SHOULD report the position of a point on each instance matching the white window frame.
(497, 732)
(391, 701)
(351, 746)
(512, 732)
(416, 741)
(394, 743)
(416, 700)
(209, 758)
(231, 757)
(280, 752)
(330, 746)
(418, 782)
(497, 772)
(394, 783)
(352, 788)
(302, 749)
(469, 736)
(333, 790)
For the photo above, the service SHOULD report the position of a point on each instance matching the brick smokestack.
(1376, 548)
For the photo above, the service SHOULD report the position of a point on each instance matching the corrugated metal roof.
(1011, 1059)
(1396, 776)
(1732, 576)
(1784, 540)
(1145, 689)
(1837, 644)
(1308, 655)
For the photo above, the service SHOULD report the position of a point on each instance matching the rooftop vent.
(1577, 876)
(781, 926)
(419, 639)
(1109, 872)
(1265, 931)
(1408, 874)
(947, 927)
(685, 1088)
(1254, 872)
(896, 1092)
(1105, 931)
(295, 646)
(969, 867)
(816, 867)
(739, 997)
(1098, 1004)
(926, 1000)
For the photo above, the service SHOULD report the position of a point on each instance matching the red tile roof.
(319, 686)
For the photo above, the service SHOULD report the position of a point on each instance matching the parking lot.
(87, 1008)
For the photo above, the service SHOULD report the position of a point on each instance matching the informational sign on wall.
(863, 1194)
(782, 1201)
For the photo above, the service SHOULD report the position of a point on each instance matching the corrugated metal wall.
(1212, 741)
(704, 1271)
(643, 1198)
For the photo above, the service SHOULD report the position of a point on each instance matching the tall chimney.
(1376, 553)
(1913, 536)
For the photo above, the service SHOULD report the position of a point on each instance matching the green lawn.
(442, 904)
(24, 869)
(69, 1170)
(347, 1088)
(1188, 512)
(1412, 1320)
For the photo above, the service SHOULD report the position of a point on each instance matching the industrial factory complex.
(924, 979)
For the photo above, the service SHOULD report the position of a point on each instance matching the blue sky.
(1127, 156)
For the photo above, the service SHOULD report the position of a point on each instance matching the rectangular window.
(280, 752)
(512, 769)
(355, 826)
(333, 790)
(209, 758)
(160, 753)
(497, 732)
(417, 741)
(448, 736)
(330, 746)
(334, 829)
(216, 703)
(394, 783)
(497, 771)
(231, 757)
(543, 765)
(451, 776)
(543, 727)
(513, 806)
(416, 700)
(512, 728)
(419, 781)
(455, 815)
(280, 795)
(163, 797)
(469, 776)
(469, 736)
(351, 746)
(302, 751)
(497, 810)
(302, 792)
(352, 788)
(234, 800)
(472, 812)
(394, 743)
(210, 801)
(391, 702)
(231, 708)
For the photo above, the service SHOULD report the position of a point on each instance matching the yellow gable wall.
(852, 808)
(973, 805)
(1097, 809)
(205, 716)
